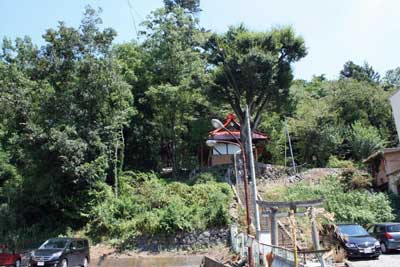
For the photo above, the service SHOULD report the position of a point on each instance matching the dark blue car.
(357, 242)
(61, 252)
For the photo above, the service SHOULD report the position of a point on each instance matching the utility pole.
(253, 174)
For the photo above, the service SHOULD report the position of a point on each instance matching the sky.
(335, 31)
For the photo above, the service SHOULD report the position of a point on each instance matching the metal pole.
(253, 174)
(246, 196)
(290, 147)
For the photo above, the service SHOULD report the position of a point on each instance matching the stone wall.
(183, 241)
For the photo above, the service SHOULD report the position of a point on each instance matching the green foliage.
(314, 135)
(353, 178)
(395, 204)
(359, 73)
(274, 126)
(335, 162)
(80, 116)
(205, 177)
(392, 78)
(364, 140)
(359, 206)
(190, 5)
(148, 205)
(339, 118)
(253, 68)
(64, 110)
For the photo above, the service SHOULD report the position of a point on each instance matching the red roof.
(233, 126)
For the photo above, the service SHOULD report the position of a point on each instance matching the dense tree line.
(80, 111)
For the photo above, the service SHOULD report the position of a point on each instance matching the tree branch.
(257, 118)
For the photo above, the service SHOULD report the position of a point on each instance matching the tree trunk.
(174, 163)
(116, 170)
(122, 150)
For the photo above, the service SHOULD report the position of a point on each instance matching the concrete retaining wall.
(176, 261)
(182, 241)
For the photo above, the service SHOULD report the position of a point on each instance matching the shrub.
(353, 178)
(205, 177)
(363, 140)
(358, 206)
(152, 206)
(335, 162)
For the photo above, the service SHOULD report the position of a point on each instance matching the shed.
(384, 165)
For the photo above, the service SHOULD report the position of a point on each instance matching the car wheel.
(17, 263)
(383, 247)
(85, 263)
(64, 263)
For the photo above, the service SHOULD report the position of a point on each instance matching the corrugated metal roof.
(382, 152)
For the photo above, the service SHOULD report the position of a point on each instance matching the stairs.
(284, 237)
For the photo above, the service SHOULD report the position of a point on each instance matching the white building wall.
(395, 101)
(225, 149)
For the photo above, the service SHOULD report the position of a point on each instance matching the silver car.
(388, 235)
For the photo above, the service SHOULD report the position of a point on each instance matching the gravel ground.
(386, 260)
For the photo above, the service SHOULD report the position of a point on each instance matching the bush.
(353, 178)
(359, 206)
(335, 162)
(210, 174)
(205, 177)
(364, 140)
(149, 205)
(356, 206)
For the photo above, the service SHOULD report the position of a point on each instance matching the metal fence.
(283, 257)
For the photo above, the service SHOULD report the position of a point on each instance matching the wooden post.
(294, 236)
(274, 227)
(315, 236)
(314, 231)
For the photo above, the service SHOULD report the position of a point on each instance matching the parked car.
(61, 252)
(8, 257)
(357, 242)
(388, 234)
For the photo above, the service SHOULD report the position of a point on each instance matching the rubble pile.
(268, 173)
(271, 173)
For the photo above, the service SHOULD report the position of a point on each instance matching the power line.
(137, 13)
(132, 16)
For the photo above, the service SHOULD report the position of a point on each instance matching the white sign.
(395, 101)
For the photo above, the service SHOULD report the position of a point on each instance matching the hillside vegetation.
(88, 125)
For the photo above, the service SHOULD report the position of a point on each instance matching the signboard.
(395, 101)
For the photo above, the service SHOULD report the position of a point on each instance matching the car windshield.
(394, 228)
(352, 230)
(54, 244)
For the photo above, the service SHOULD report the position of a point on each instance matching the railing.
(240, 241)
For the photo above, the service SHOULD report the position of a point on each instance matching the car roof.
(340, 224)
(387, 223)
(67, 238)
